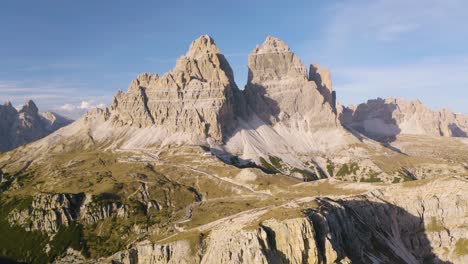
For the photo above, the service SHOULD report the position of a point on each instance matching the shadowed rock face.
(384, 119)
(26, 125)
(322, 78)
(278, 89)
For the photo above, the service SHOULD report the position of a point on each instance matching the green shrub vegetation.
(348, 170)
(267, 167)
(461, 247)
(277, 162)
(396, 180)
(330, 168)
(435, 225)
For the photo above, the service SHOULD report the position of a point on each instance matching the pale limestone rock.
(237, 247)
(322, 78)
(146, 252)
(279, 91)
(295, 239)
(142, 81)
(48, 212)
(387, 118)
(196, 98)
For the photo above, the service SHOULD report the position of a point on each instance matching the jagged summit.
(273, 60)
(272, 45)
(278, 89)
(202, 46)
(8, 104)
(21, 127)
(192, 102)
(142, 81)
(30, 107)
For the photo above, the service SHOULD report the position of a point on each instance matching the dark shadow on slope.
(238, 162)
(373, 120)
(457, 131)
(327, 93)
(371, 232)
(9, 261)
(265, 108)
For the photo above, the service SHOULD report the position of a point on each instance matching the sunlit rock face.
(196, 97)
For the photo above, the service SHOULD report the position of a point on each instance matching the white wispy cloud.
(83, 105)
(64, 96)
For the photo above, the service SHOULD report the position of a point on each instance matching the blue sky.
(71, 55)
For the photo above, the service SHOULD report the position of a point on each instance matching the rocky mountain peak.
(278, 89)
(30, 108)
(8, 104)
(193, 101)
(273, 60)
(27, 125)
(272, 45)
(202, 46)
(143, 80)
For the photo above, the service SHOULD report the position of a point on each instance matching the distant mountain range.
(26, 125)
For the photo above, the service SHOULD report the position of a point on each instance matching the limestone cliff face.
(147, 252)
(322, 78)
(401, 224)
(48, 212)
(279, 90)
(26, 125)
(196, 97)
(386, 118)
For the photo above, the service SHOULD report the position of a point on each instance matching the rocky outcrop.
(322, 78)
(279, 90)
(195, 98)
(383, 119)
(147, 252)
(48, 212)
(26, 125)
(100, 207)
(402, 224)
